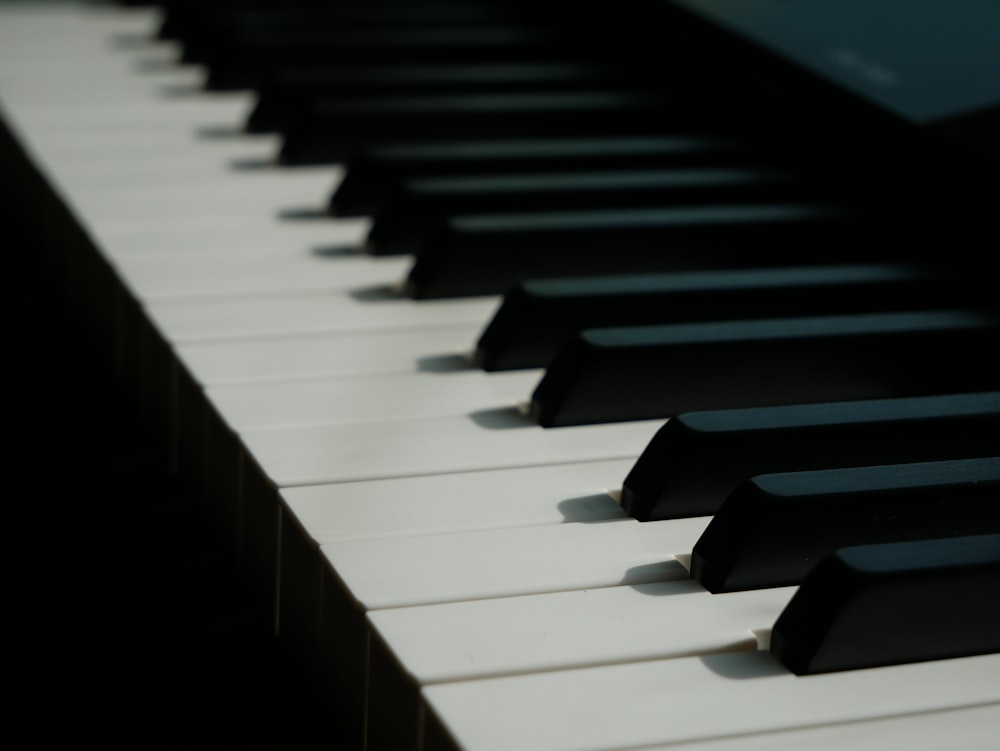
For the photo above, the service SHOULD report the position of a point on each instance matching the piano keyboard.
(454, 575)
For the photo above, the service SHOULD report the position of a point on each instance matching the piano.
(452, 574)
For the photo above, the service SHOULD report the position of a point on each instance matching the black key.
(187, 19)
(897, 603)
(206, 34)
(373, 172)
(331, 131)
(538, 315)
(420, 207)
(489, 254)
(774, 528)
(609, 375)
(287, 90)
(246, 62)
(697, 459)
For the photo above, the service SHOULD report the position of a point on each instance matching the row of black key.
(501, 157)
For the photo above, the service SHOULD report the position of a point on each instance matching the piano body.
(454, 575)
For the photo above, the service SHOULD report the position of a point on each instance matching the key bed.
(258, 475)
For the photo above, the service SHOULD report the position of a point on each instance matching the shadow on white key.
(202, 320)
(319, 355)
(276, 459)
(319, 454)
(365, 398)
(367, 575)
(414, 647)
(929, 731)
(434, 504)
(710, 698)
(281, 269)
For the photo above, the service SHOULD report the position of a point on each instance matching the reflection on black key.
(288, 89)
(420, 207)
(489, 254)
(373, 171)
(331, 131)
(538, 315)
(697, 459)
(248, 61)
(210, 33)
(897, 603)
(774, 528)
(608, 375)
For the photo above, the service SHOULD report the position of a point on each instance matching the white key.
(434, 445)
(683, 700)
(419, 646)
(931, 731)
(320, 355)
(393, 396)
(459, 502)
(503, 562)
(387, 509)
(203, 319)
(427, 569)
(240, 304)
(162, 277)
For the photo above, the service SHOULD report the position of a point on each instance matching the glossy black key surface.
(288, 89)
(249, 61)
(183, 19)
(608, 375)
(875, 605)
(374, 171)
(538, 315)
(420, 207)
(331, 131)
(209, 33)
(774, 528)
(488, 254)
(698, 458)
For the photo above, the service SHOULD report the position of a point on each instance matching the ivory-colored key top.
(256, 235)
(319, 355)
(51, 124)
(434, 504)
(424, 569)
(278, 459)
(435, 445)
(672, 702)
(180, 276)
(202, 320)
(418, 646)
(367, 397)
(366, 575)
(461, 501)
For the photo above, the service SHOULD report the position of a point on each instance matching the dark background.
(133, 630)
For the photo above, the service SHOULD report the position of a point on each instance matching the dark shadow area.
(124, 40)
(336, 251)
(375, 293)
(744, 665)
(303, 214)
(154, 65)
(668, 570)
(219, 132)
(501, 418)
(180, 91)
(136, 631)
(451, 362)
(250, 164)
(588, 509)
(671, 588)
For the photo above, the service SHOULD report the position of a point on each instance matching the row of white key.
(245, 299)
